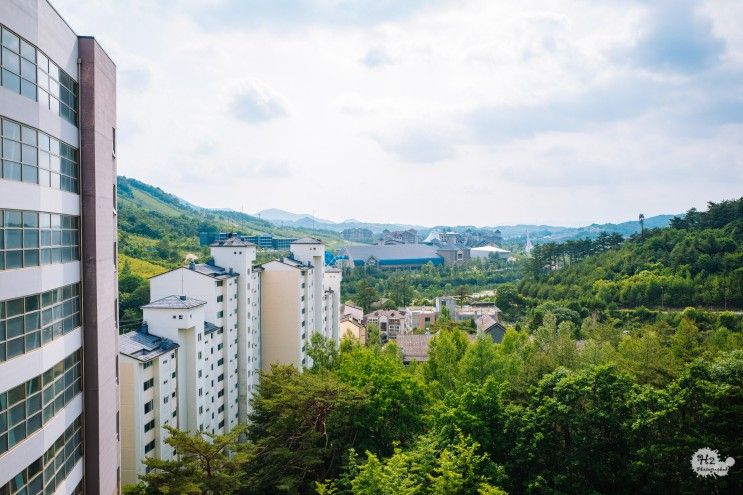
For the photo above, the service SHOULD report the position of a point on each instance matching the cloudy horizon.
(429, 112)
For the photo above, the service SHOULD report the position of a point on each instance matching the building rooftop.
(393, 252)
(175, 302)
(288, 262)
(307, 240)
(414, 347)
(210, 327)
(389, 313)
(144, 346)
(484, 322)
(491, 249)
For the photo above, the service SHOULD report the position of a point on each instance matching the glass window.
(28, 89)
(11, 61)
(10, 40)
(11, 81)
(11, 170)
(11, 129)
(42, 61)
(28, 70)
(28, 51)
(11, 150)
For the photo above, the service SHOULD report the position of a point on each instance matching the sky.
(429, 112)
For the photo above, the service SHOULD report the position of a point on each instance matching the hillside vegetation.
(157, 230)
(697, 261)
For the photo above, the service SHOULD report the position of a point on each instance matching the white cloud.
(552, 110)
(257, 103)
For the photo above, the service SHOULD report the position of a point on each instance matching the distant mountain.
(549, 233)
(149, 212)
(538, 233)
(282, 216)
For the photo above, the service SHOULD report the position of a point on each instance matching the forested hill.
(696, 261)
(162, 228)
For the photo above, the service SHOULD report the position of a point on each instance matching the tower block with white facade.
(230, 287)
(175, 370)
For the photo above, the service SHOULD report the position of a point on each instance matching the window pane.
(11, 130)
(15, 327)
(11, 150)
(30, 155)
(30, 174)
(11, 81)
(11, 61)
(13, 238)
(30, 238)
(30, 219)
(28, 51)
(11, 170)
(11, 40)
(31, 257)
(13, 259)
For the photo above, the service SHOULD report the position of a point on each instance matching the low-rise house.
(421, 317)
(358, 235)
(453, 253)
(409, 236)
(488, 325)
(351, 327)
(414, 347)
(391, 323)
(353, 311)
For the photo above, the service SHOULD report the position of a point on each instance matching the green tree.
(574, 416)
(301, 428)
(445, 351)
(647, 359)
(395, 398)
(322, 352)
(480, 361)
(701, 408)
(207, 464)
(366, 294)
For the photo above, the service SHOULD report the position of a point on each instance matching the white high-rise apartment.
(58, 282)
(211, 312)
(299, 296)
(178, 370)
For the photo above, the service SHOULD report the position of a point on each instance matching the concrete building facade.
(58, 273)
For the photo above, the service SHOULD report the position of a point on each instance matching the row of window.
(30, 322)
(47, 472)
(30, 155)
(31, 238)
(25, 408)
(26, 70)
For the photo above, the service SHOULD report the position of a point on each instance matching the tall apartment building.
(211, 314)
(58, 283)
(178, 370)
(299, 296)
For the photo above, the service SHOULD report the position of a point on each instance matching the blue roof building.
(394, 256)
